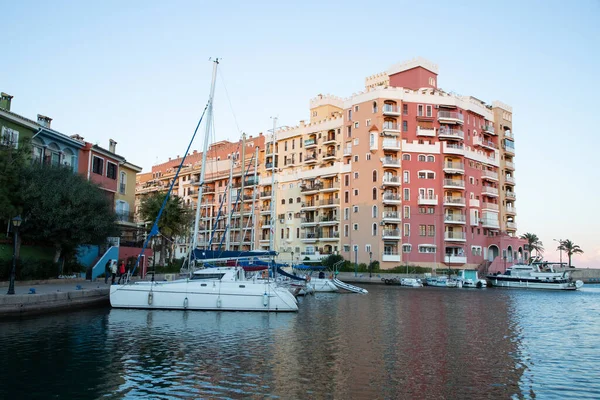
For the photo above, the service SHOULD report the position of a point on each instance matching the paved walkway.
(51, 286)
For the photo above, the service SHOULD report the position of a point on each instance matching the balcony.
(327, 236)
(125, 217)
(310, 143)
(390, 256)
(265, 210)
(311, 159)
(330, 186)
(426, 132)
(391, 144)
(491, 223)
(509, 180)
(510, 195)
(391, 216)
(489, 175)
(489, 191)
(330, 139)
(450, 117)
(308, 221)
(453, 148)
(309, 205)
(348, 151)
(511, 225)
(427, 200)
(390, 162)
(454, 167)
(490, 206)
(308, 237)
(448, 133)
(455, 201)
(391, 234)
(510, 150)
(391, 198)
(455, 236)
(510, 210)
(488, 129)
(391, 110)
(265, 225)
(306, 188)
(455, 219)
(391, 128)
(329, 220)
(454, 184)
(451, 259)
(488, 144)
(330, 155)
(509, 165)
(509, 134)
(265, 195)
(329, 203)
(391, 181)
(269, 165)
(473, 203)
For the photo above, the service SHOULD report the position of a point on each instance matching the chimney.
(44, 121)
(5, 100)
(112, 146)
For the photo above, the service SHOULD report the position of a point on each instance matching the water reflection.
(393, 343)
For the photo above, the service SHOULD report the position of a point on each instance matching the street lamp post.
(355, 260)
(16, 221)
(370, 264)
(560, 242)
(292, 259)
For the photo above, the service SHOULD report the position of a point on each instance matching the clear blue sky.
(138, 72)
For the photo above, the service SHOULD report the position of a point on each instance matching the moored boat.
(538, 275)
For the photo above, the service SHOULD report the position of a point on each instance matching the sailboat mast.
(229, 196)
(255, 182)
(208, 126)
(273, 191)
(241, 193)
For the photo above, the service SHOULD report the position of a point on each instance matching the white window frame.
(428, 111)
(10, 137)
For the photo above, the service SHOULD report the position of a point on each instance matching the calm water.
(393, 343)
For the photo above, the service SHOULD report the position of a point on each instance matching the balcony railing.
(450, 133)
(490, 206)
(510, 179)
(511, 225)
(455, 235)
(489, 174)
(488, 128)
(328, 202)
(329, 154)
(510, 195)
(454, 183)
(391, 179)
(391, 215)
(391, 197)
(390, 144)
(454, 165)
(511, 210)
(329, 218)
(347, 151)
(390, 109)
(329, 185)
(390, 161)
(390, 126)
(427, 200)
(510, 164)
(489, 190)
(309, 142)
(451, 115)
(391, 232)
(125, 216)
(310, 158)
(430, 132)
(455, 201)
(455, 218)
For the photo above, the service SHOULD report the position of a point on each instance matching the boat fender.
(185, 303)
(307, 279)
(265, 299)
(479, 284)
(150, 298)
(219, 302)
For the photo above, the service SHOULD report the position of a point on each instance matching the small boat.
(537, 275)
(470, 279)
(219, 289)
(411, 282)
(441, 281)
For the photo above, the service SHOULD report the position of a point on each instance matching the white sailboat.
(220, 288)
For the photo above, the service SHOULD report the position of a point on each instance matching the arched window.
(430, 158)
(374, 107)
(374, 211)
(291, 201)
(374, 193)
(374, 176)
(405, 157)
(374, 229)
(422, 157)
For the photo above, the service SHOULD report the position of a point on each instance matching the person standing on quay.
(113, 270)
(122, 272)
(107, 271)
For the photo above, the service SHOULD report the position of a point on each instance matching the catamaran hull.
(209, 296)
(533, 284)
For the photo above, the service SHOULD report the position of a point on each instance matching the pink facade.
(414, 78)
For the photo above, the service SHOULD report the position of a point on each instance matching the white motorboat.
(534, 276)
(470, 279)
(219, 288)
(441, 281)
(411, 282)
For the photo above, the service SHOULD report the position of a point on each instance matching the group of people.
(112, 269)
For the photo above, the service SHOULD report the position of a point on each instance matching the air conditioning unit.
(281, 221)
(437, 106)
(382, 223)
(380, 133)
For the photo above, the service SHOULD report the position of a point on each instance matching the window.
(356, 142)
(355, 108)
(431, 210)
(374, 213)
(97, 165)
(374, 107)
(405, 157)
(346, 195)
(122, 182)
(368, 123)
(291, 201)
(10, 137)
(348, 131)
(406, 175)
(422, 157)
(355, 248)
(355, 158)
(347, 248)
(368, 248)
(374, 193)
(282, 201)
(368, 157)
(420, 110)
(285, 145)
(404, 126)
(405, 109)
(428, 110)
(356, 175)
(430, 230)
(407, 212)
(346, 180)
(427, 249)
(111, 170)
(406, 248)
(406, 194)
(294, 144)
(422, 210)
(422, 230)
(346, 230)
(355, 209)
(355, 227)
(374, 176)
(374, 230)
(430, 159)
(298, 200)
(406, 229)
(356, 192)
(346, 214)
(356, 125)
(426, 175)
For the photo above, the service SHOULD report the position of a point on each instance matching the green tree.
(570, 248)
(534, 243)
(176, 220)
(64, 210)
(13, 163)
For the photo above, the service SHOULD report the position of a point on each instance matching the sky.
(139, 72)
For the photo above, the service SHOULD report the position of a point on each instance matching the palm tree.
(534, 243)
(570, 247)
